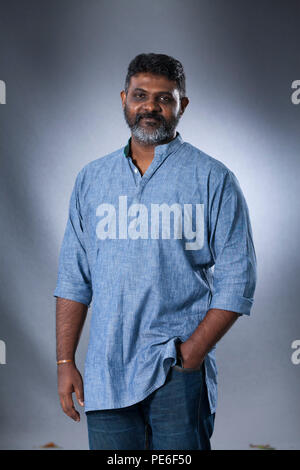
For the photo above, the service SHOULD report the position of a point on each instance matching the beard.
(151, 134)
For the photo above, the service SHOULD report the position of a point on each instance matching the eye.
(139, 95)
(166, 98)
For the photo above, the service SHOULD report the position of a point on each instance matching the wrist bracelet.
(63, 361)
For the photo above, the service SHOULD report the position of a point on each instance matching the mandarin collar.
(160, 150)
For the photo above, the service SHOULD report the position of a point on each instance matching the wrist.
(65, 361)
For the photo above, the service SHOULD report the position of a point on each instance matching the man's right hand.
(69, 380)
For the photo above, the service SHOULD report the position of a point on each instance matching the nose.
(151, 105)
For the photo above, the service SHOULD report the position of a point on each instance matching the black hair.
(157, 64)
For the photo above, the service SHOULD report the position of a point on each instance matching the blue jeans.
(174, 416)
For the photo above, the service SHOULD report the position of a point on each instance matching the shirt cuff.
(237, 304)
(70, 292)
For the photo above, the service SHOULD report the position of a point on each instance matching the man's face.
(152, 108)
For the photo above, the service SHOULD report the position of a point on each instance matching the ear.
(123, 97)
(184, 102)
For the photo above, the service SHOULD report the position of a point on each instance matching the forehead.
(153, 83)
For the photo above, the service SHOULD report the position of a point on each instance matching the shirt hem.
(145, 395)
(137, 400)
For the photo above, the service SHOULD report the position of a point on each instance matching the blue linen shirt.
(154, 253)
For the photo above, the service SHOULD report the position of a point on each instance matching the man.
(159, 237)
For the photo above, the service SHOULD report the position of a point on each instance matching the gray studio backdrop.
(64, 63)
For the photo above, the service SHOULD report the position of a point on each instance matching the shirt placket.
(161, 152)
(142, 180)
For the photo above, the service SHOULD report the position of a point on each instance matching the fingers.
(67, 405)
(70, 381)
(79, 393)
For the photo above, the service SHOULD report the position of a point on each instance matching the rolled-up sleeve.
(232, 248)
(74, 279)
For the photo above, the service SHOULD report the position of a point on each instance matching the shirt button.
(135, 170)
